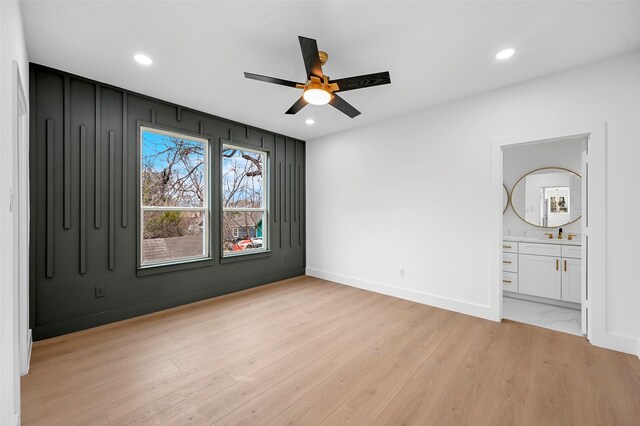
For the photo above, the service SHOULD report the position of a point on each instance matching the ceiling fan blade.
(270, 79)
(344, 106)
(300, 103)
(362, 81)
(310, 56)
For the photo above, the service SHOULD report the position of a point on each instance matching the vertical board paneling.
(285, 182)
(276, 169)
(112, 200)
(99, 175)
(125, 155)
(295, 181)
(97, 168)
(303, 205)
(83, 199)
(67, 153)
(279, 200)
(299, 203)
(50, 212)
(289, 195)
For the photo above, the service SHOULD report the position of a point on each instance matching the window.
(244, 200)
(174, 213)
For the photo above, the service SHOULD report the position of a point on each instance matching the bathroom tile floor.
(542, 315)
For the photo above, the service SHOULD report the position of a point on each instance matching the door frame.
(21, 217)
(593, 224)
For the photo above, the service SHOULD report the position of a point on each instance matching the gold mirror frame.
(506, 205)
(527, 174)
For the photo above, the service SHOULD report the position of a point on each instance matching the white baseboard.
(618, 343)
(460, 306)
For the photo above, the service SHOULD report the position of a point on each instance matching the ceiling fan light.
(316, 96)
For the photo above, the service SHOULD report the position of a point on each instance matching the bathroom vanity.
(542, 268)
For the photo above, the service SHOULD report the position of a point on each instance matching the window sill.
(173, 267)
(245, 256)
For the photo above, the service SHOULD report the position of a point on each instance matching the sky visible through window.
(242, 178)
(173, 171)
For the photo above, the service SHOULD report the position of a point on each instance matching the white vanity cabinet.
(540, 276)
(571, 280)
(542, 269)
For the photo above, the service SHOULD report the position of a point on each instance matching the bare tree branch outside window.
(174, 188)
(243, 199)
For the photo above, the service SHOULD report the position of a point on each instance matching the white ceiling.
(435, 51)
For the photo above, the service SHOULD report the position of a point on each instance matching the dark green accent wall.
(84, 206)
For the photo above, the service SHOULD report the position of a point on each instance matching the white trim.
(266, 155)
(616, 342)
(242, 148)
(595, 232)
(172, 134)
(205, 208)
(243, 209)
(173, 209)
(481, 311)
(21, 211)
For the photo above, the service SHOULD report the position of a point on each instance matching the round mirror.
(548, 197)
(505, 198)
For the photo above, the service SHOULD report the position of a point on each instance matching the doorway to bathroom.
(548, 229)
(542, 230)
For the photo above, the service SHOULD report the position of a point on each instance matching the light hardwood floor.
(307, 351)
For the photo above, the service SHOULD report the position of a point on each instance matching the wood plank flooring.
(306, 351)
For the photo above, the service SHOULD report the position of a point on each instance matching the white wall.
(414, 192)
(12, 47)
(520, 160)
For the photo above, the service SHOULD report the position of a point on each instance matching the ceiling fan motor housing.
(324, 57)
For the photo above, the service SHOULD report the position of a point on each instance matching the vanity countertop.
(539, 240)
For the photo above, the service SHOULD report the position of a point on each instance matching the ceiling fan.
(319, 90)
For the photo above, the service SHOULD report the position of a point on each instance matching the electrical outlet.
(286, 259)
(101, 291)
(401, 273)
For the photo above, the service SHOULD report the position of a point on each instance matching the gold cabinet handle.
(506, 281)
(565, 265)
(557, 262)
(503, 246)
(506, 261)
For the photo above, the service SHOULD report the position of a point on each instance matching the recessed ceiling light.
(142, 59)
(505, 53)
(310, 121)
